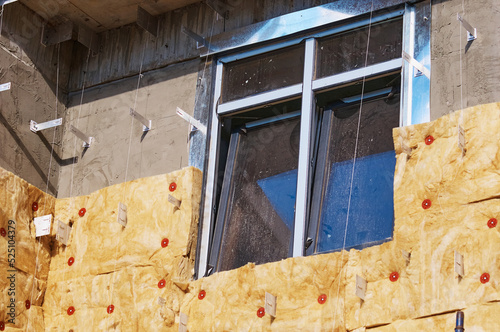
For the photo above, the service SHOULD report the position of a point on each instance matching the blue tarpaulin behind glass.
(371, 211)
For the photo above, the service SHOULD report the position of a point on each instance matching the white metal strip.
(417, 65)
(5, 87)
(263, 98)
(356, 74)
(211, 176)
(306, 122)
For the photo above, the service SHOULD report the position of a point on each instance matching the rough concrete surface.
(451, 55)
(104, 115)
(32, 70)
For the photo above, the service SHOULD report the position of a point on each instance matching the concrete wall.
(104, 115)
(479, 59)
(32, 70)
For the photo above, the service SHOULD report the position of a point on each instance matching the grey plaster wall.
(104, 115)
(479, 59)
(32, 71)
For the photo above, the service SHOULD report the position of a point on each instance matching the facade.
(288, 112)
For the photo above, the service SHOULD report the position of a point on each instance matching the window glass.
(258, 195)
(347, 51)
(262, 73)
(371, 203)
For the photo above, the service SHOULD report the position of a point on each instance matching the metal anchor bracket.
(87, 140)
(146, 123)
(34, 126)
(471, 32)
(417, 65)
(192, 121)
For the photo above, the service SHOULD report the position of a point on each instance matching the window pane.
(371, 204)
(259, 215)
(347, 51)
(262, 73)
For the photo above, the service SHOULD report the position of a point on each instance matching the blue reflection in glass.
(281, 190)
(371, 216)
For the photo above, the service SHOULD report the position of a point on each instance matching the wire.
(354, 163)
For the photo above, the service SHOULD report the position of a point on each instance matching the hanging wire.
(48, 178)
(139, 78)
(353, 165)
(1, 17)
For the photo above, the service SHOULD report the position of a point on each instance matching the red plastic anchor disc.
(164, 243)
(2, 326)
(71, 260)
(27, 304)
(110, 309)
(161, 283)
(429, 139)
(82, 211)
(261, 312)
(3, 232)
(34, 206)
(492, 223)
(71, 310)
(202, 294)
(172, 186)
(322, 299)
(426, 204)
(394, 276)
(485, 277)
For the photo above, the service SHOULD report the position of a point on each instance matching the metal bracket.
(122, 214)
(5, 87)
(147, 21)
(63, 232)
(34, 127)
(183, 321)
(192, 121)
(141, 119)
(461, 139)
(200, 41)
(87, 140)
(406, 256)
(361, 285)
(57, 34)
(88, 38)
(459, 264)
(471, 32)
(270, 305)
(174, 201)
(417, 65)
(219, 7)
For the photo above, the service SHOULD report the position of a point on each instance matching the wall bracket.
(196, 125)
(87, 140)
(471, 32)
(34, 127)
(200, 41)
(459, 264)
(146, 123)
(417, 65)
(147, 21)
(361, 285)
(5, 87)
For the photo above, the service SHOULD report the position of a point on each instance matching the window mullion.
(306, 124)
(208, 209)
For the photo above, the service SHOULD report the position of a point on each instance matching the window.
(301, 154)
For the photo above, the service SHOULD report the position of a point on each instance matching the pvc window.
(283, 144)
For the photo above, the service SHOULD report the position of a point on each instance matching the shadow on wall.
(21, 32)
